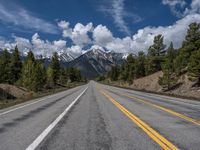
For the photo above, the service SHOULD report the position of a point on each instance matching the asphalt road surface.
(101, 117)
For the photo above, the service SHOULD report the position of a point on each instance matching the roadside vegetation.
(172, 62)
(32, 75)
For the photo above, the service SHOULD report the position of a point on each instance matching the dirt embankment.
(150, 83)
(12, 91)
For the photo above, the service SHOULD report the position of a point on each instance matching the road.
(97, 116)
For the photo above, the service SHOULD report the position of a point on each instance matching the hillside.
(12, 91)
(150, 83)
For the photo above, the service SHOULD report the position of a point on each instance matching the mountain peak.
(65, 56)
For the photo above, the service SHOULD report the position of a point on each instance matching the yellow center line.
(158, 138)
(196, 122)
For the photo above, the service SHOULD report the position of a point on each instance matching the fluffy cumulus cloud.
(175, 33)
(39, 47)
(22, 43)
(102, 35)
(144, 37)
(75, 50)
(66, 30)
(78, 34)
(45, 47)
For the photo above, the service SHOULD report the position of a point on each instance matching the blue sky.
(76, 25)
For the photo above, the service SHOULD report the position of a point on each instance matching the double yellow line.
(163, 142)
(196, 122)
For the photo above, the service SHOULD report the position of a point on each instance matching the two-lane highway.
(96, 116)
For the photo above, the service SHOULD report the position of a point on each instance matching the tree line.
(32, 74)
(172, 62)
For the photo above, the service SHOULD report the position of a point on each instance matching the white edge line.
(41, 137)
(3, 113)
(36, 101)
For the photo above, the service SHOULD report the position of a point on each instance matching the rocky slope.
(96, 62)
(150, 83)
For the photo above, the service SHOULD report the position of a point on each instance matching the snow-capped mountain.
(65, 57)
(96, 62)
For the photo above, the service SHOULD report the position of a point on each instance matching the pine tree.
(131, 68)
(64, 76)
(33, 73)
(180, 63)
(55, 68)
(127, 69)
(15, 66)
(190, 44)
(39, 76)
(155, 55)
(30, 57)
(74, 74)
(114, 73)
(157, 49)
(140, 65)
(28, 73)
(194, 65)
(78, 75)
(192, 39)
(169, 78)
(49, 75)
(4, 67)
(124, 71)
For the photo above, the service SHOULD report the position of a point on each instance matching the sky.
(75, 26)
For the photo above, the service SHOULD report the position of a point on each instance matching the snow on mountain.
(65, 57)
(96, 62)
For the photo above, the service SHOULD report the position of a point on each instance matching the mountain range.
(96, 62)
(93, 63)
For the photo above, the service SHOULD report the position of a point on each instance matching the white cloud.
(97, 47)
(66, 30)
(122, 45)
(194, 7)
(60, 44)
(75, 50)
(174, 6)
(78, 34)
(174, 2)
(18, 16)
(46, 48)
(36, 44)
(5, 44)
(179, 7)
(144, 37)
(63, 24)
(116, 9)
(22, 43)
(102, 35)
(118, 15)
